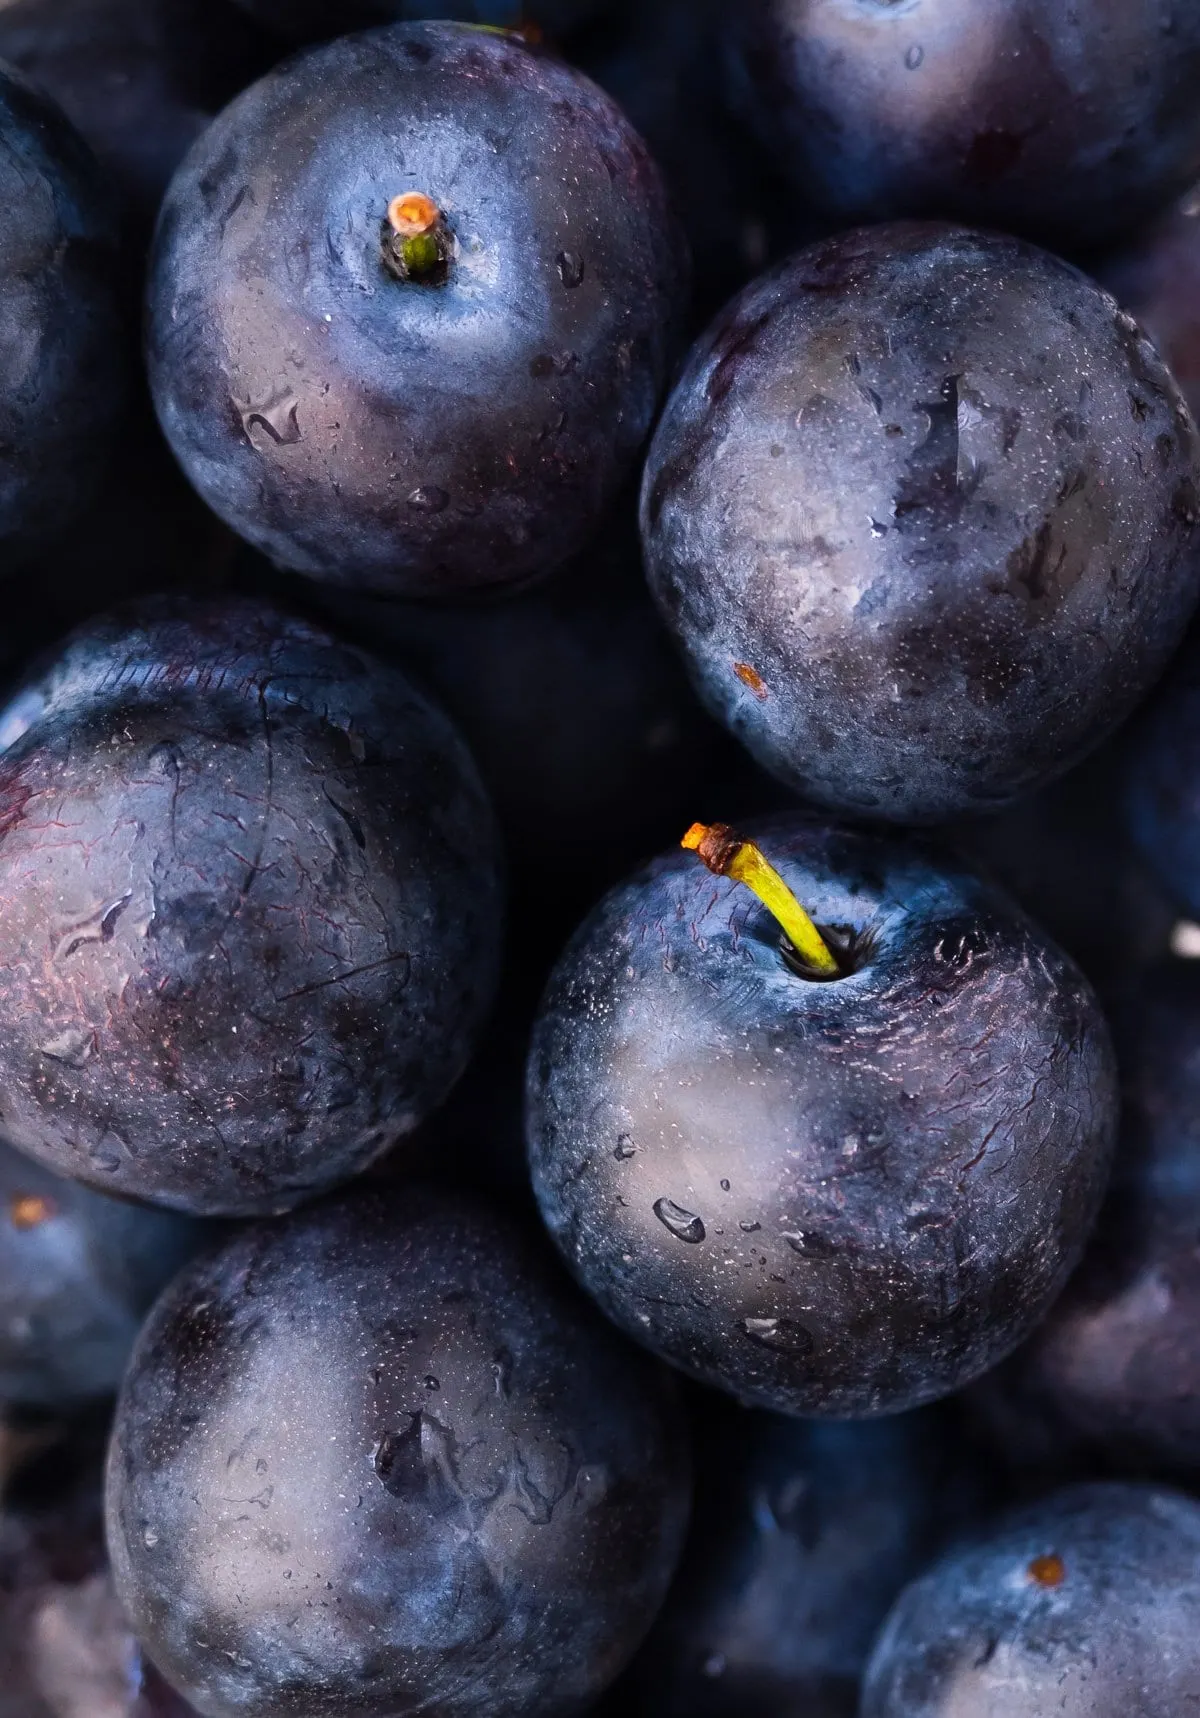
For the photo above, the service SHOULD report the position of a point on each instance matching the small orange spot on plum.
(751, 678)
(1048, 1571)
(412, 214)
(28, 1210)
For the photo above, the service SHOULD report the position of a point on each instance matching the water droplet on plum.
(684, 1225)
(71, 1047)
(276, 419)
(778, 1333)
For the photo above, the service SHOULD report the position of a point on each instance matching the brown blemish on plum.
(413, 213)
(1048, 1571)
(750, 678)
(30, 1210)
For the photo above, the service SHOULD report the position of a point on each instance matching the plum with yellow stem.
(832, 1184)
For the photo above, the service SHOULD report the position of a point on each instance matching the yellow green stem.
(421, 255)
(727, 855)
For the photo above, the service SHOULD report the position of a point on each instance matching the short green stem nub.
(421, 255)
(415, 243)
(727, 855)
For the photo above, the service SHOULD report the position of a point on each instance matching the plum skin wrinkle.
(835, 1199)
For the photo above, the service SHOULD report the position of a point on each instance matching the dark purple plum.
(803, 1535)
(1157, 279)
(922, 514)
(1084, 1605)
(78, 1274)
(378, 1459)
(837, 1198)
(140, 79)
(251, 907)
(64, 358)
(1068, 123)
(1113, 1374)
(412, 306)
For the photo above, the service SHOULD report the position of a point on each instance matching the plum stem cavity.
(727, 855)
(415, 243)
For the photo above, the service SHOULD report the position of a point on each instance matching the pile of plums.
(600, 859)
